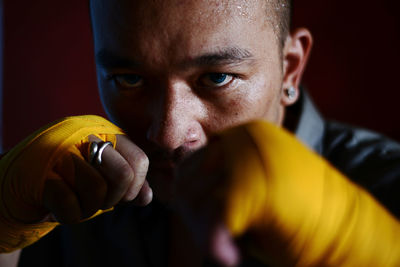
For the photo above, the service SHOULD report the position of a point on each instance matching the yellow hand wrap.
(24, 169)
(298, 208)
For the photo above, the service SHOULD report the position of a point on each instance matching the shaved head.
(172, 73)
(282, 16)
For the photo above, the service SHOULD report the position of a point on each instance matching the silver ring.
(96, 150)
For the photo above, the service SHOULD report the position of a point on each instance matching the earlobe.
(295, 56)
(290, 95)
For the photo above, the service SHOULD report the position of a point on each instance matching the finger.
(59, 199)
(117, 173)
(200, 174)
(222, 247)
(211, 235)
(139, 163)
(90, 186)
(145, 195)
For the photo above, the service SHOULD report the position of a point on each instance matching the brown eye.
(128, 80)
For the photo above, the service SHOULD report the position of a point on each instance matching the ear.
(295, 56)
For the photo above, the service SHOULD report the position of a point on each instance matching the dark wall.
(354, 68)
(49, 66)
(353, 72)
(1, 74)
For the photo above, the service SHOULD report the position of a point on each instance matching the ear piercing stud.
(291, 93)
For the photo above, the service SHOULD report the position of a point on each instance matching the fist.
(47, 175)
(200, 200)
(80, 193)
(46, 178)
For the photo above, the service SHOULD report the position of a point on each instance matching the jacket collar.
(311, 126)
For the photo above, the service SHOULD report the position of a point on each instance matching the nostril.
(193, 144)
(195, 137)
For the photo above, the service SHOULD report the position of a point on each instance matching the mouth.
(163, 165)
(164, 161)
(166, 170)
(162, 177)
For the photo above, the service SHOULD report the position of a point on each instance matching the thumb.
(222, 248)
(210, 233)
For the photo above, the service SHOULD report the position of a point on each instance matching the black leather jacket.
(367, 158)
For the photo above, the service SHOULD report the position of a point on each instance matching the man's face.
(172, 73)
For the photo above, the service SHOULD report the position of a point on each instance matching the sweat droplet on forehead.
(252, 11)
(247, 9)
(243, 11)
(163, 33)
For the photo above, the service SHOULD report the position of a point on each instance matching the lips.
(166, 161)
(162, 169)
(163, 166)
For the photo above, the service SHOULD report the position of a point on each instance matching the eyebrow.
(222, 56)
(110, 60)
(227, 55)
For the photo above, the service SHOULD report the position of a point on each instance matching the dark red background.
(49, 66)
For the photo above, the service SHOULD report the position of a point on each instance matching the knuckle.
(142, 160)
(131, 194)
(125, 174)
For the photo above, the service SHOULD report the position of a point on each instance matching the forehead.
(198, 10)
(175, 26)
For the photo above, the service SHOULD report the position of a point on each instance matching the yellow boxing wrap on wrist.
(297, 208)
(24, 170)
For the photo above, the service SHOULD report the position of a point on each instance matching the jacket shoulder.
(368, 158)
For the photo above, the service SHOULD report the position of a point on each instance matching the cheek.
(258, 100)
(263, 99)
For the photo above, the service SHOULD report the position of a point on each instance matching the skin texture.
(154, 64)
(155, 61)
(175, 107)
(120, 178)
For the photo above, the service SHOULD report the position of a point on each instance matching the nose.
(175, 119)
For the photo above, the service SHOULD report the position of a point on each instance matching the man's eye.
(216, 79)
(128, 80)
